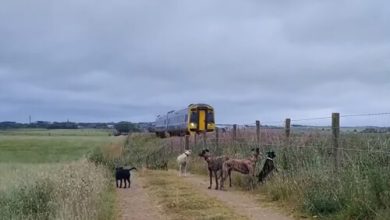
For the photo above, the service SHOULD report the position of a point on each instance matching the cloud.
(131, 60)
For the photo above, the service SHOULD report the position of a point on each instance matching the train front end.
(201, 118)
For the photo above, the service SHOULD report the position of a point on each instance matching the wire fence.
(292, 138)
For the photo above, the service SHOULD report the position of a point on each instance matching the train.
(196, 118)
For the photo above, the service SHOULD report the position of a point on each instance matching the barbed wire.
(310, 119)
(365, 114)
(314, 118)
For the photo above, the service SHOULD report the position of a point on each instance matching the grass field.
(45, 174)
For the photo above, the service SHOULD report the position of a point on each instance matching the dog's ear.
(206, 150)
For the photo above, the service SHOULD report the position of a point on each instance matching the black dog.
(268, 167)
(123, 174)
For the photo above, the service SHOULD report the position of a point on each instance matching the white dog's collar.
(187, 154)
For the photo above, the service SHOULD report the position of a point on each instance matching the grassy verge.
(46, 191)
(44, 174)
(181, 201)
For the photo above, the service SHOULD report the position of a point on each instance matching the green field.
(45, 173)
(38, 147)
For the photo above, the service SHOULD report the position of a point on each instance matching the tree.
(125, 127)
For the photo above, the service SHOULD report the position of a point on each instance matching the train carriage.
(196, 118)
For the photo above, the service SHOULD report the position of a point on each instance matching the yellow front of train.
(201, 118)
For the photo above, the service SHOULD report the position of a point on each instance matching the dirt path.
(135, 204)
(242, 203)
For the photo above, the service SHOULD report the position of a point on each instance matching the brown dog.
(244, 166)
(214, 165)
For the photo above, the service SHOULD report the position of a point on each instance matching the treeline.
(120, 127)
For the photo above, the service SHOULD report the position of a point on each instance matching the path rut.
(242, 203)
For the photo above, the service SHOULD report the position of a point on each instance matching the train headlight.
(192, 124)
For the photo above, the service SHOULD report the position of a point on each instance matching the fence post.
(216, 136)
(182, 147)
(171, 143)
(204, 140)
(287, 127)
(234, 132)
(258, 133)
(195, 140)
(187, 142)
(335, 138)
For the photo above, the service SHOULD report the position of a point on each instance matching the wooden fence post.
(234, 132)
(216, 136)
(182, 147)
(258, 133)
(187, 142)
(335, 138)
(204, 140)
(195, 140)
(287, 127)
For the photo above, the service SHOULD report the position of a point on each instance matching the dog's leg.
(211, 178)
(230, 177)
(216, 179)
(120, 186)
(179, 169)
(223, 176)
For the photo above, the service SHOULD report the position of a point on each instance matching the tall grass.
(62, 191)
(307, 179)
(43, 174)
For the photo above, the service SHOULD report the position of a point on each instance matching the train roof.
(199, 105)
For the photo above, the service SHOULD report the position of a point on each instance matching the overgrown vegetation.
(62, 191)
(307, 179)
(44, 175)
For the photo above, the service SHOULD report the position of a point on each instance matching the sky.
(94, 60)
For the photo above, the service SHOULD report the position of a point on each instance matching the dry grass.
(180, 201)
(61, 191)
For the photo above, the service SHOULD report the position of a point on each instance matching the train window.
(194, 117)
(210, 117)
(186, 118)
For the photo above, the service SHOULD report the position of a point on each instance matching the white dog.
(182, 160)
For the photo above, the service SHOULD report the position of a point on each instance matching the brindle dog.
(244, 166)
(214, 165)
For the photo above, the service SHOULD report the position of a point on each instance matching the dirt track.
(135, 203)
(241, 203)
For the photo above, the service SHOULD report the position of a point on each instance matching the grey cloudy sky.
(94, 60)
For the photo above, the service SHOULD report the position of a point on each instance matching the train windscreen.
(210, 117)
(194, 117)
